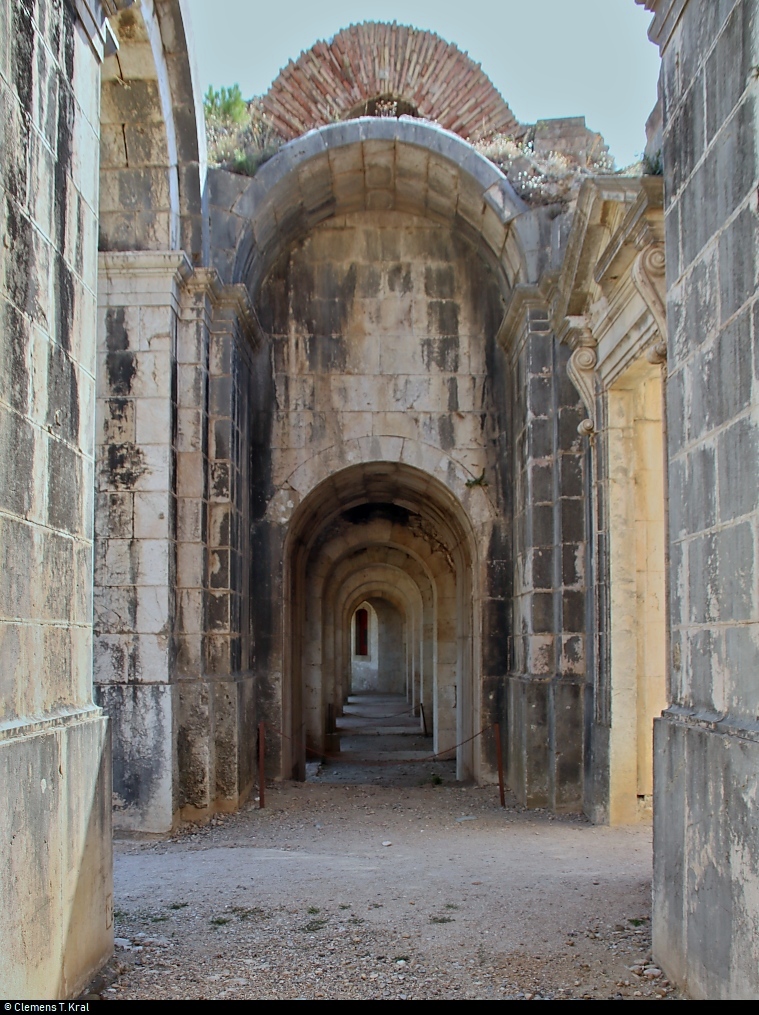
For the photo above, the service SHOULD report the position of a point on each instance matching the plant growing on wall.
(240, 138)
(541, 177)
(652, 164)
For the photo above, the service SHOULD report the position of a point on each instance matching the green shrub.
(226, 104)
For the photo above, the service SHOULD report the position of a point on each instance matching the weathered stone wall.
(380, 325)
(706, 918)
(225, 676)
(391, 676)
(171, 602)
(55, 857)
(546, 699)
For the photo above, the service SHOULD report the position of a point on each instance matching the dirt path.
(386, 892)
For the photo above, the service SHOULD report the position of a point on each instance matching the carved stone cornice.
(657, 354)
(585, 239)
(575, 331)
(233, 305)
(615, 255)
(666, 13)
(206, 281)
(642, 225)
(525, 297)
(140, 268)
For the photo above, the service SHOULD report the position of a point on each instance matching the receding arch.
(384, 580)
(379, 480)
(421, 459)
(385, 613)
(368, 568)
(386, 529)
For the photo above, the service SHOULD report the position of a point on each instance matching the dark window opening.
(362, 633)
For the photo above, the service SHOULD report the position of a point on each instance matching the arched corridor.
(391, 543)
(380, 660)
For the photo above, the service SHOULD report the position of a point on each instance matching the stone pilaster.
(227, 640)
(135, 572)
(547, 666)
(195, 748)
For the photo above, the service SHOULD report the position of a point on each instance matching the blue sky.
(547, 57)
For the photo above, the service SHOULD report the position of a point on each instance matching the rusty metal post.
(497, 731)
(424, 720)
(261, 769)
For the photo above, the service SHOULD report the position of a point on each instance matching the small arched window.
(362, 633)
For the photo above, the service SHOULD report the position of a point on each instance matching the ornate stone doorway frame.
(610, 311)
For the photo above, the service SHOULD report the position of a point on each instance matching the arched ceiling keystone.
(373, 60)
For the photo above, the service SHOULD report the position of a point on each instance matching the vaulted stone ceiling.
(421, 72)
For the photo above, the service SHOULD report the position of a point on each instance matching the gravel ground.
(342, 889)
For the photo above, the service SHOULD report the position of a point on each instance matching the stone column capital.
(145, 263)
(142, 277)
(233, 307)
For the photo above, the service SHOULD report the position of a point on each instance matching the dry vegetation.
(241, 139)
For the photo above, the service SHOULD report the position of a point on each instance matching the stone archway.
(386, 531)
(152, 166)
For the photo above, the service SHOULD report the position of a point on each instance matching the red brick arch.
(340, 78)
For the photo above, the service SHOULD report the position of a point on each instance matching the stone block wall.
(546, 699)
(55, 857)
(227, 646)
(196, 757)
(706, 919)
(380, 326)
